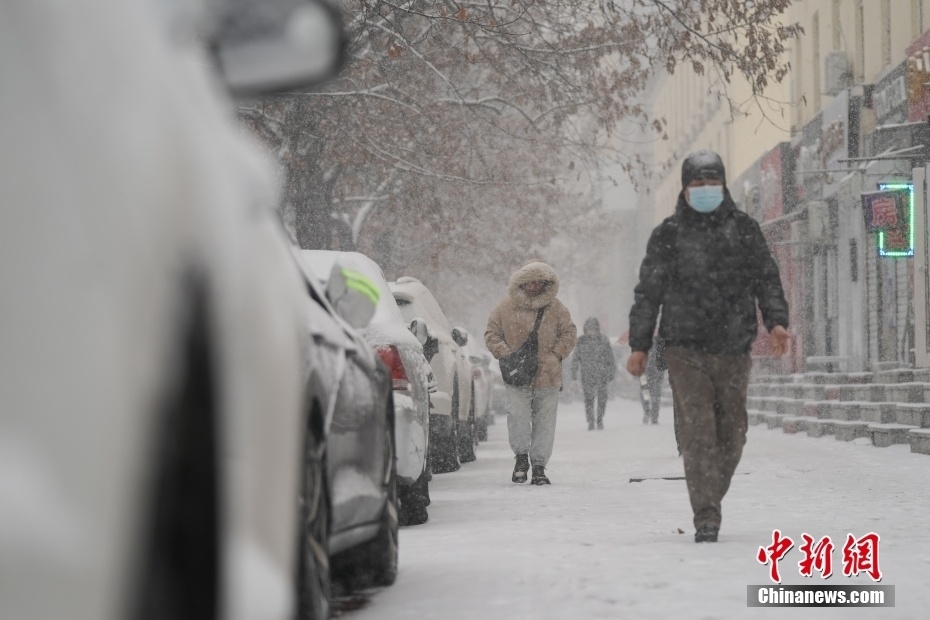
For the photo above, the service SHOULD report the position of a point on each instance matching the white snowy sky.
(593, 545)
(621, 196)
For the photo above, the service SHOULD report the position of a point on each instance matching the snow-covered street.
(595, 545)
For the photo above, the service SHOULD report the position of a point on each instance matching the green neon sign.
(883, 249)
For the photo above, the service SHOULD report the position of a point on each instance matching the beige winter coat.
(512, 321)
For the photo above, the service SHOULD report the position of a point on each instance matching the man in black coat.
(706, 268)
(595, 358)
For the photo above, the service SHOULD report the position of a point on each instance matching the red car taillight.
(391, 358)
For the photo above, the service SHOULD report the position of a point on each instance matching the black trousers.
(595, 391)
(710, 402)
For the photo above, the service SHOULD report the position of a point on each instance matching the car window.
(422, 304)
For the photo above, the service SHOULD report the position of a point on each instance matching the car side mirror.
(267, 47)
(353, 295)
(460, 336)
(418, 328)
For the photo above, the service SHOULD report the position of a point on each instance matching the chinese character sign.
(773, 553)
(918, 73)
(897, 240)
(859, 555)
(884, 213)
(817, 556)
(886, 210)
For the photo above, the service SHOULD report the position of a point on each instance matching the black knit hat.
(702, 165)
(592, 323)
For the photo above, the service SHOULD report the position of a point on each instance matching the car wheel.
(443, 451)
(313, 585)
(483, 428)
(414, 499)
(469, 438)
(374, 563)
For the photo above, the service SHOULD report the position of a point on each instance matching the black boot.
(522, 466)
(539, 475)
(706, 533)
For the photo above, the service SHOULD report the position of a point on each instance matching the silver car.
(359, 475)
(389, 336)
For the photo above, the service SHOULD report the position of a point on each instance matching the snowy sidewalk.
(594, 545)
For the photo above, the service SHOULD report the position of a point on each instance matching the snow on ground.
(594, 545)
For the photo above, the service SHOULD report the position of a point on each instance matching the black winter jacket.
(706, 272)
(595, 358)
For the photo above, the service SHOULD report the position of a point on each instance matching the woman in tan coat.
(531, 410)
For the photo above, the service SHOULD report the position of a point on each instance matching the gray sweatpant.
(531, 421)
(710, 406)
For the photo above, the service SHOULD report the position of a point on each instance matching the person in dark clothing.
(706, 268)
(594, 357)
(651, 382)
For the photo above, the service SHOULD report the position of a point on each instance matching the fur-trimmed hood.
(528, 273)
(512, 319)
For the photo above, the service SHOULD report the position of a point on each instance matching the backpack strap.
(539, 315)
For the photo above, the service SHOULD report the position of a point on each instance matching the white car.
(151, 371)
(498, 391)
(452, 420)
(388, 334)
(482, 378)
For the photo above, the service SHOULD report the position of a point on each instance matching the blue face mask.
(705, 198)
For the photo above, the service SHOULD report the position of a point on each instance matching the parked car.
(452, 419)
(389, 336)
(152, 376)
(480, 360)
(360, 466)
(498, 391)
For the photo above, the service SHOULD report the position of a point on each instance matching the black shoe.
(706, 533)
(590, 427)
(522, 466)
(539, 475)
(600, 426)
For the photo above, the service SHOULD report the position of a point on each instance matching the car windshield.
(417, 302)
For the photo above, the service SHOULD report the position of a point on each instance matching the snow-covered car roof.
(328, 324)
(322, 262)
(387, 326)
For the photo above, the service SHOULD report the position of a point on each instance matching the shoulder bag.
(519, 368)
